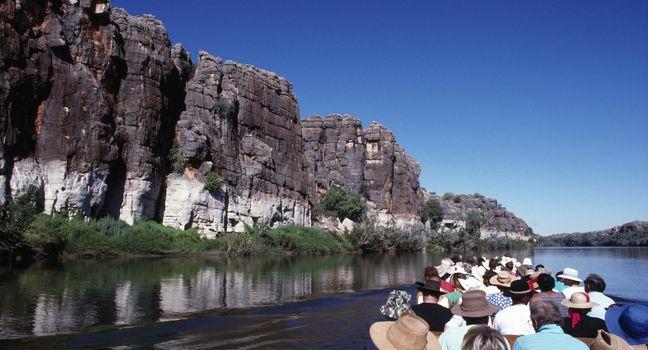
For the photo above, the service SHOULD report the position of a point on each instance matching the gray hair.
(544, 313)
(484, 338)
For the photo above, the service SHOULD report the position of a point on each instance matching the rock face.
(103, 116)
(367, 162)
(243, 124)
(497, 220)
(89, 98)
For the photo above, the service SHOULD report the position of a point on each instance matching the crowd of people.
(504, 304)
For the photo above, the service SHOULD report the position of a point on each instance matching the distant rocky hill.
(630, 234)
(104, 116)
(497, 220)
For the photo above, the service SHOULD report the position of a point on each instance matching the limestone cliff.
(104, 116)
(242, 123)
(369, 162)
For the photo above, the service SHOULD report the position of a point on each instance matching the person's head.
(509, 266)
(487, 276)
(407, 332)
(474, 308)
(492, 264)
(544, 313)
(538, 267)
(430, 289)
(471, 260)
(594, 283)
(520, 292)
(456, 280)
(570, 277)
(558, 274)
(484, 338)
(546, 282)
(431, 274)
(579, 302)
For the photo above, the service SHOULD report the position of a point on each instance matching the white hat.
(479, 271)
(527, 262)
(457, 269)
(470, 283)
(570, 274)
(446, 264)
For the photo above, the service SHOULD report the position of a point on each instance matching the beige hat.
(570, 274)
(407, 332)
(609, 341)
(578, 300)
(503, 279)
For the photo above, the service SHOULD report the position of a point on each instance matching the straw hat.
(570, 274)
(408, 332)
(578, 301)
(609, 341)
(474, 304)
(446, 264)
(503, 279)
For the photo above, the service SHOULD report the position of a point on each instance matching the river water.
(236, 303)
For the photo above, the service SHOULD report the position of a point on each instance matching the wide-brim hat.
(578, 301)
(502, 279)
(408, 332)
(609, 341)
(470, 283)
(446, 264)
(629, 322)
(430, 286)
(527, 262)
(518, 287)
(474, 304)
(570, 274)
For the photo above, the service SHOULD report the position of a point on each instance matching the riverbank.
(28, 235)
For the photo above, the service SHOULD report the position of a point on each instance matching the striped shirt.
(549, 336)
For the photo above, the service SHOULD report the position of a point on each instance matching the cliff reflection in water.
(80, 294)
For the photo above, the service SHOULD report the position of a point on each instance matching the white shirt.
(452, 339)
(604, 302)
(567, 292)
(514, 320)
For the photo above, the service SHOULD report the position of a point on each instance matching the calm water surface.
(257, 302)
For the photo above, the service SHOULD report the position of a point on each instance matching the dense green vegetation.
(336, 202)
(212, 181)
(27, 234)
(431, 211)
(638, 238)
(176, 159)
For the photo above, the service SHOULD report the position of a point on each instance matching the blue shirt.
(559, 287)
(452, 338)
(549, 336)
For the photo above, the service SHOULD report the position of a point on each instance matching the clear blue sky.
(542, 105)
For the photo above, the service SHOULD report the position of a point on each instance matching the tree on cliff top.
(432, 211)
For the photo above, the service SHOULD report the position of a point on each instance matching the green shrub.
(177, 160)
(305, 240)
(212, 182)
(337, 203)
(431, 211)
(225, 109)
(15, 216)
